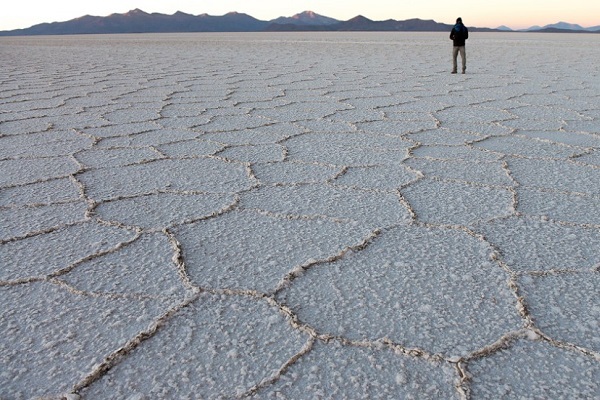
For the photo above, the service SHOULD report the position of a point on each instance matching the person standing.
(459, 35)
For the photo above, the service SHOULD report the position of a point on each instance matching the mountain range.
(138, 21)
(565, 26)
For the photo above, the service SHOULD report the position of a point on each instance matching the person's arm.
(452, 34)
(466, 33)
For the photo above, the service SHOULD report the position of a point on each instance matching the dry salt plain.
(299, 216)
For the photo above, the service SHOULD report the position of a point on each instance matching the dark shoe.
(453, 72)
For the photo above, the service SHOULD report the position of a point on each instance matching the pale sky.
(482, 13)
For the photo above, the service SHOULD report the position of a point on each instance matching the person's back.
(459, 35)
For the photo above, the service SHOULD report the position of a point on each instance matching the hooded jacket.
(459, 34)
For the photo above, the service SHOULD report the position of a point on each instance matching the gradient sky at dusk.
(482, 13)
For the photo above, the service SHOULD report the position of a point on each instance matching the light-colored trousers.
(463, 56)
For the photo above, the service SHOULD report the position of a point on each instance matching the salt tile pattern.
(299, 216)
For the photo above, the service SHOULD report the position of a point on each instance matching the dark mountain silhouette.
(305, 18)
(563, 26)
(566, 25)
(559, 30)
(138, 21)
(361, 23)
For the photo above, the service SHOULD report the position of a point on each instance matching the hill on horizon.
(306, 18)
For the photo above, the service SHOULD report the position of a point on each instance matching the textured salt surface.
(299, 216)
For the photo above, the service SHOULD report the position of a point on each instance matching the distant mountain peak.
(308, 14)
(239, 15)
(565, 26)
(306, 18)
(359, 18)
(136, 11)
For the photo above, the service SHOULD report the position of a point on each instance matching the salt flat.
(327, 215)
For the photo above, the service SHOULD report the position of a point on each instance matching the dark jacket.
(459, 34)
